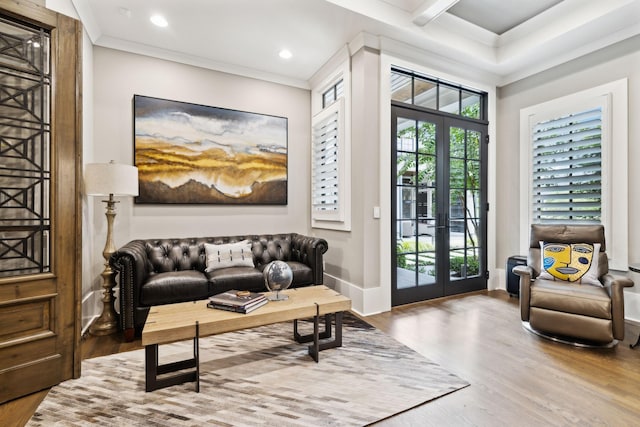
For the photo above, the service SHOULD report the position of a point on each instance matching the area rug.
(255, 377)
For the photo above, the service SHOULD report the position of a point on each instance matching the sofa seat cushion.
(572, 298)
(238, 278)
(572, 325)
(174, 286)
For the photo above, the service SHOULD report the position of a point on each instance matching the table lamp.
(109, 179)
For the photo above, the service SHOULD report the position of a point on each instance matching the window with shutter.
(574, 163)
(327, 165)
(331, 146)
(567, 168)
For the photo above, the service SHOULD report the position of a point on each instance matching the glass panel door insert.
(439, 205)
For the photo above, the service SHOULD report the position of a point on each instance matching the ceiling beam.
(430, 10)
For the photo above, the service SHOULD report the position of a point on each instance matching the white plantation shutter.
(576, 166)
(567, 168)
(330, 151)
(326, 182)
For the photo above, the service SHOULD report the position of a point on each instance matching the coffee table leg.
(327, 327)
(308, 338)
(314, 350)
(316, 336)
(338, 340)
(196, 355)
(153, 368)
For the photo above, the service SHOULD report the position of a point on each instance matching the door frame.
(444, 286)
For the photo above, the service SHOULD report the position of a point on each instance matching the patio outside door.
(439, 206)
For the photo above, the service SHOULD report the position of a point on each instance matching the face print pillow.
(571, 262)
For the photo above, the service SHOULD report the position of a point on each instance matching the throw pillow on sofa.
(228, 255)
(572, 262)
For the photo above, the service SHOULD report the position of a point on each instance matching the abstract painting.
(189, 153)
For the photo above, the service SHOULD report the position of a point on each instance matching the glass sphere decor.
(277, 277)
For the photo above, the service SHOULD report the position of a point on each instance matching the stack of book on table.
(237, 301)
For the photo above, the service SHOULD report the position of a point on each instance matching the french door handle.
(443, 224)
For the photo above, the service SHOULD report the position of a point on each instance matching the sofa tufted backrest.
(269, 248)
(166, 255)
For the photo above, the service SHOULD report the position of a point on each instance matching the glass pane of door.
(465, 215)
(25, 170)
(415, 220)
(415, 188)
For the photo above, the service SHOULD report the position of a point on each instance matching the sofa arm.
(132, 267)
(615, 285)
(526, 274)
(309, 250)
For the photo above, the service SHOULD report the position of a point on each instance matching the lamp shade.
(101, 179)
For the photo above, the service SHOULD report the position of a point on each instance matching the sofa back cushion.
(175, 255)
(166, 255)
(270, 248)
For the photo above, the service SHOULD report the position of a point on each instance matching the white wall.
(352, 262)
(613, 63)
(117, 76)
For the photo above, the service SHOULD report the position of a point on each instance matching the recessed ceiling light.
(159, 20)
(285, 54)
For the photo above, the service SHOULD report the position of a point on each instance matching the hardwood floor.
(517, 378)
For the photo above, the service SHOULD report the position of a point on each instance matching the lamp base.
(104, 326)
(107, 323)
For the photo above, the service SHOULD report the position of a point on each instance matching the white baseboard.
(89, 310)
(365, 302)
(498, 282)
(632, 306)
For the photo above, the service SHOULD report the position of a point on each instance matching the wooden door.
(40, 227)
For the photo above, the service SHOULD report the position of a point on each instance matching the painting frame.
(190, 154)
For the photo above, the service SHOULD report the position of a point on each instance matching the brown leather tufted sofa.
(164, 271)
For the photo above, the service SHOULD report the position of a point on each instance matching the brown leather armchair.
(565, 310)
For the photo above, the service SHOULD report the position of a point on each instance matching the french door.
(439, 204)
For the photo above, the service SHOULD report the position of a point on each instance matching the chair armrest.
(526, 275)
(132, 267)
(308, 250)
(522, 270)
(615, 285)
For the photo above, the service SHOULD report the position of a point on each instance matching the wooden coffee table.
(192, 320)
